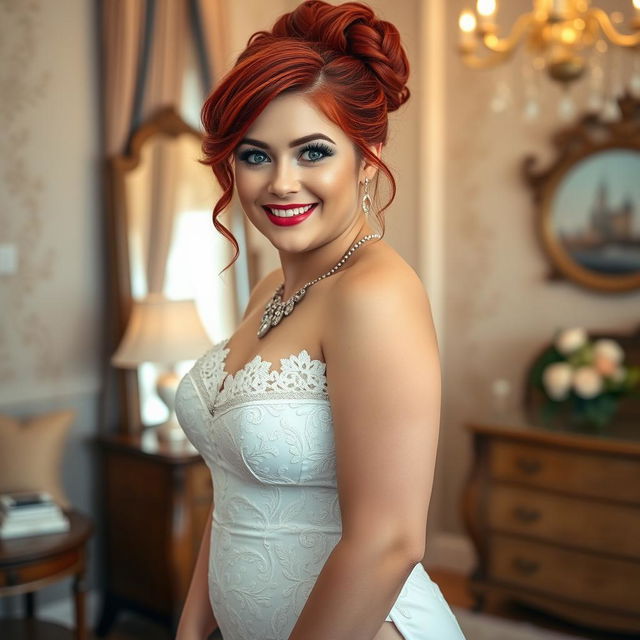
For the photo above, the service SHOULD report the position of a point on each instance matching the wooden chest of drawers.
(555, 519)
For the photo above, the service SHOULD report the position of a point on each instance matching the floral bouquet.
(586, 377)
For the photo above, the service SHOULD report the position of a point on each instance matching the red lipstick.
(291, 220)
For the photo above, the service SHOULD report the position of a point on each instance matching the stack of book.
(30, 514)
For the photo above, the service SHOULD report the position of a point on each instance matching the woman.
(322, 467)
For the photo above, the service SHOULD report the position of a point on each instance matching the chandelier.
(559, 35)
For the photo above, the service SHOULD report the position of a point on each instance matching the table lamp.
(164, 332)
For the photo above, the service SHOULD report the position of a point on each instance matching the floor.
(454, 587)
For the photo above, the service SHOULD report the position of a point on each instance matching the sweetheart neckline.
(229, 376)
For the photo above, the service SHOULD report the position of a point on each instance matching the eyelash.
(315, 146)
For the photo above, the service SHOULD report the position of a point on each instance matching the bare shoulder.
(263, 289)
(384, 385)
(378, 287)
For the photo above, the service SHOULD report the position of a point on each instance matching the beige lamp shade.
(162, 331)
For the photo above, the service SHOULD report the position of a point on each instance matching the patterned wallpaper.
(44, 188)
(23, 88)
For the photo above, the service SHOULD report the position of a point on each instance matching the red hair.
(349, 64)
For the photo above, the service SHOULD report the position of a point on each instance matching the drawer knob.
(526, 514)
(529, 465)
(525, 566)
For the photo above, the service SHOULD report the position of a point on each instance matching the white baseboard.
(450, 551)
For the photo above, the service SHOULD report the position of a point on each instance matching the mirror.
(164, 242)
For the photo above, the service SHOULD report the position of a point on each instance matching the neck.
(302, 267)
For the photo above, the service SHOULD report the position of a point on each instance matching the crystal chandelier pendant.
(566, 107)
(501, 100)
(610, 112)
(530, 73)
(634, 85)
(531, 110)
(634, 81)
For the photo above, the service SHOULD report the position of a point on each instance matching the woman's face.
(292, 156)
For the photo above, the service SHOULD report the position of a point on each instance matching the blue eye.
(314, 148)
(318, 147)
(245, 155)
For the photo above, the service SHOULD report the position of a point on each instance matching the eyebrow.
(293, 143)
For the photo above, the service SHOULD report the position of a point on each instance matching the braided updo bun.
(352, 29)
(348, 63)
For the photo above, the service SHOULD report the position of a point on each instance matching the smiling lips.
(286, 215)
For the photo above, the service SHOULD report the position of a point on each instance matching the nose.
(284, 180)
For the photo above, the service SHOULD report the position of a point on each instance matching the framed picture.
(588, 201)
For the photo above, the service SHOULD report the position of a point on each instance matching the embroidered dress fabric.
(267, 439)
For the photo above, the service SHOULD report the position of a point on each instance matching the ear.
(368, 170)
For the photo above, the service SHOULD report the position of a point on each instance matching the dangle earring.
(366, 198)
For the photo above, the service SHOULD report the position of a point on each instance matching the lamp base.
(171, 432)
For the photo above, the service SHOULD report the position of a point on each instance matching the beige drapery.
(214, 23)
(163, 87)
(122, 39)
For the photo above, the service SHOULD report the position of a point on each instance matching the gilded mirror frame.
(590, 139)
(165, 122)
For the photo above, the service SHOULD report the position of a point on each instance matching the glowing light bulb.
(487, 12)
(486, 8)
(467, 21)
(568, 35)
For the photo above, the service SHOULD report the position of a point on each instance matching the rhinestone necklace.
(276, 308)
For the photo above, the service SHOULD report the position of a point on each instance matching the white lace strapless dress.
(267, 439)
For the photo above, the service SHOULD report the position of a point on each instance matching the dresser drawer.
(572, 575)
(582, 523)
(585, 474)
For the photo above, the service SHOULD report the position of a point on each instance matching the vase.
(593, 415)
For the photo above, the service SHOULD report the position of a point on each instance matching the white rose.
(556, 379)
(587, 382)
(569, 340)
(609, 349)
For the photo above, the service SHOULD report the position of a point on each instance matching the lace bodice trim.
(300, 377)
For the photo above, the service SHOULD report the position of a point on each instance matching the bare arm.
(384, 384)
(197, 620)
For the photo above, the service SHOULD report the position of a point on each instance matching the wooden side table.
(31, 563)
(157, 500)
